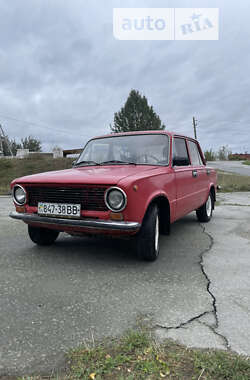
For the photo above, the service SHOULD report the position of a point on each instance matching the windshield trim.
(127, 135)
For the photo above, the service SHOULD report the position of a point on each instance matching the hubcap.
(157, 234)
(209, 206)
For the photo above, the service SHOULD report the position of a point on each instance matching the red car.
(123, 184)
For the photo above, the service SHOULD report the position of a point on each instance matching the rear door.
(184, 178)
(200, 174)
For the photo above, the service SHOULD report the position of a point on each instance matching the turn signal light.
(20, 209)
(116, 216)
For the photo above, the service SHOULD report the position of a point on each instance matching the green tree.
(14, 146)
(210, 155)
(34, 145)
(136, 115)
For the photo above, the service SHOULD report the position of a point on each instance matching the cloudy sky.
(63, 74)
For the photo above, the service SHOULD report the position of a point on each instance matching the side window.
(180, 154)
(194, 154)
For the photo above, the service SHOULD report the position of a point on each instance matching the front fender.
(143, 192)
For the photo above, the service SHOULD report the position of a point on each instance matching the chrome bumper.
(89, 223)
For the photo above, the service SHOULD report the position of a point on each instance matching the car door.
(200, 174)
(184, 178)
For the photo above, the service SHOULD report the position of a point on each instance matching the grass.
(137, 356)
(231, 182)
(247, 162)
(14, 168)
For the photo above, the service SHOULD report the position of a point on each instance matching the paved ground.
(54, 298)
(231, 166)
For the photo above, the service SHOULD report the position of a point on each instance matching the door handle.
(208, 172)
(194, 172)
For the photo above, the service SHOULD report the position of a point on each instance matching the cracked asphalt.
(79, 289)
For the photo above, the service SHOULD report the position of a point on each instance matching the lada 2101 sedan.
(123, 184)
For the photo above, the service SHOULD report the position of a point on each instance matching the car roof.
(160, 132)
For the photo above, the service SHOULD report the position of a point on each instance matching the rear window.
(194, 154)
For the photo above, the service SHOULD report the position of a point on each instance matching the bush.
(234, 157)
(210, 155)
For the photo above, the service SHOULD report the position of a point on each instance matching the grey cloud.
(60, 65)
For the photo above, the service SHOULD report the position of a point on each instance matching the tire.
(205, 212)
(42, 236)
(148, 237)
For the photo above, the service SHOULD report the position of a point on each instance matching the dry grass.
(137, 356)
(14, 168)
(230, 182)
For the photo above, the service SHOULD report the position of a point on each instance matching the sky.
(63, 74)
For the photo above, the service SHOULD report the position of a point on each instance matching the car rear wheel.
(42, 236)
(148, 237)
(205, 212)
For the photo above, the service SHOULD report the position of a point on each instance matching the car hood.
(109, 175)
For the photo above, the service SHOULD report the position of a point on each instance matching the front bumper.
(110, 225)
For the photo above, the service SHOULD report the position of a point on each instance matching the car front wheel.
(42, 236)
(205, 212)
(148, 237)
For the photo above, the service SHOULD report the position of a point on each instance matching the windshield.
(148, 149)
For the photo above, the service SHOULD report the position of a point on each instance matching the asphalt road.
(231, 166)
(79, 289)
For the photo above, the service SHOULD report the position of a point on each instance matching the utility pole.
(1, 142)
(3, 139)
(195, 124)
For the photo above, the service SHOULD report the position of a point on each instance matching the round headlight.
(115, 199)
(19, 195)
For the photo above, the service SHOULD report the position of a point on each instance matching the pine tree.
(136, 115)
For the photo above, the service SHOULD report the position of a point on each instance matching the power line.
(39, 125)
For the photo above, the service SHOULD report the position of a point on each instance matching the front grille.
(90, 197)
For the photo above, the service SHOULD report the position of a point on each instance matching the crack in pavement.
(225, 340)
(182, 324)
(212, 327)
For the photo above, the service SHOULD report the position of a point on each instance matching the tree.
(136, 115)
(210, 155)
(224, 152)
(6, 144)
(14, 146)
(34, 145)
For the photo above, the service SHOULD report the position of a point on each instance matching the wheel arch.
(163, 205)
(213, 192)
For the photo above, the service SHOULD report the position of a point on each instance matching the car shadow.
(112, 250)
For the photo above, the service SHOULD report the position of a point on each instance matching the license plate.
(59, 209)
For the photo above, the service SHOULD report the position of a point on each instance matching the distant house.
(68, 152)
(239, 156)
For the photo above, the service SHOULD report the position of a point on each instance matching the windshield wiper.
(117, 162)
(87, 163)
